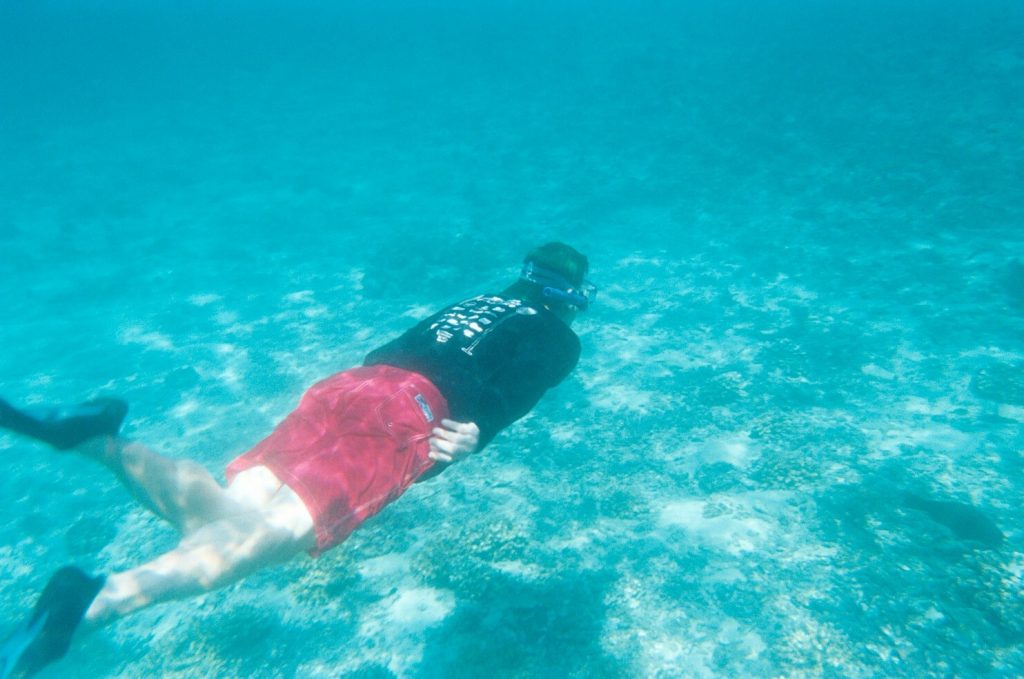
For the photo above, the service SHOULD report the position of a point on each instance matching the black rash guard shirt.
(492, 358)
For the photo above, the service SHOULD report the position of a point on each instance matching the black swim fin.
(46, 635)
(65, 427)
(17, 643)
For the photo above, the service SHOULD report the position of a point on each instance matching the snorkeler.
(356, 442)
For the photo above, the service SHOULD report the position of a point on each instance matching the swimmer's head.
(560, 259)
(554, 276)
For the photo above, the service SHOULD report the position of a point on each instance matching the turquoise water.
(793, 446)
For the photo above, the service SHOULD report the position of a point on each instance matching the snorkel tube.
(557, 288)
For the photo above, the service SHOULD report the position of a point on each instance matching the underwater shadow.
(918, 567)
(513, 628)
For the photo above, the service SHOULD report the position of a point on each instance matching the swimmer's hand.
(453, 441)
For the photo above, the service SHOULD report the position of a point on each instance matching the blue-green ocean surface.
(793, 445)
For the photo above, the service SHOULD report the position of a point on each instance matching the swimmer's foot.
(46, 635)
(65, 427)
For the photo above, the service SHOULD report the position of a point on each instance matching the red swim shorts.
(357, 440)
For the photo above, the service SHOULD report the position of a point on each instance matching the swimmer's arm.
(453, 441)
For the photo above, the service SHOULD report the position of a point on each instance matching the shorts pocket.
(402, 418)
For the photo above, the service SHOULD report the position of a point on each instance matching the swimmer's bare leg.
(213, 556)
(181, 491)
